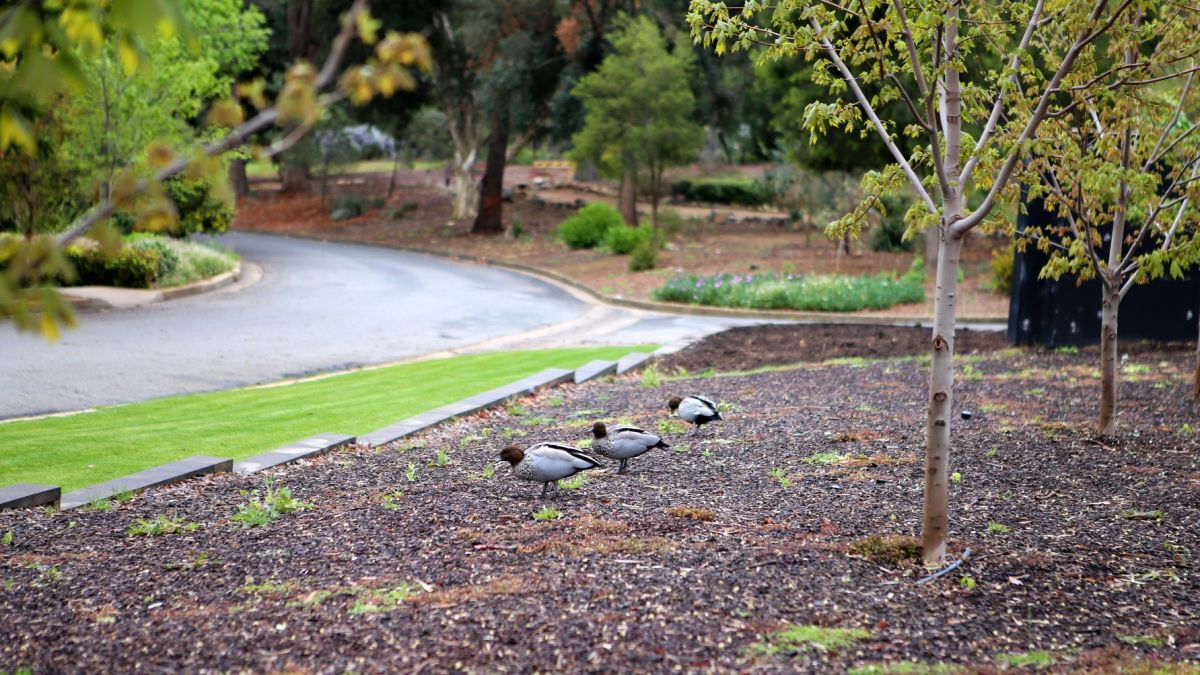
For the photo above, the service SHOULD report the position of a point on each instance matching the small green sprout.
(158, 526)
(956, 477)
(967, 583)
(573, 483)
(391, 501)
(997, 528)
(441, 461)
(651, 377)
(780, 475)
(411, 473)
(547, 513)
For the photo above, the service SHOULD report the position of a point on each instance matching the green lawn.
(79, 450)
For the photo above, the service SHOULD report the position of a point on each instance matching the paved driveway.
(318, 307)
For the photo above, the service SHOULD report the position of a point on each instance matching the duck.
(623, 443)
(547, 463)
(694, 410)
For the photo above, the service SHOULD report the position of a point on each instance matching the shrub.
(645, 256)
(670, 222)
(623, 239)
(127, 268)
(168, 259)
(200, 211)
(722, 190)
(347, 207)
(804, 292)
(889, 236)
(588, 227)
(1002, 269)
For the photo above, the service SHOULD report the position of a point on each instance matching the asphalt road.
(318, 307)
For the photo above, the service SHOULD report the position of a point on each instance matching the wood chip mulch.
(1084, 550)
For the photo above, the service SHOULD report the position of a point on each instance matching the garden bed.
(737, 549)
(704, 246)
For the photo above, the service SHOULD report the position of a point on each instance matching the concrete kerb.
(101, 298)
(141, 481)
(594, 369)
(302, 449)
(29, 495)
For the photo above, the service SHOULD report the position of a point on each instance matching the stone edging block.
(308, 447)
(594, 369)
(190, 467)
(28, 495)
(632, 361)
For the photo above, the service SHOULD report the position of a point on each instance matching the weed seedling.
(798, 639)
(391, 501)
(441, 461)
(780, 475)
(997, 528)
(488, 471)
(956, 477)
(547, 513)
(991, 452)
(670, 426)
(555, 401)
(276, 502)
(158, 526)
(823, 458)
(573, 483)
(7, 539)
(1186, 430)
(651, 377)
(411, 473)
(1135, 514)
(1039, 658)
(966, 583)
(706, 453)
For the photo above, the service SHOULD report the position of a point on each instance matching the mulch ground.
(701, 247)
(1082, 548)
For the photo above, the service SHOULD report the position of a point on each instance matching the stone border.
(27, 495)
(179, 470)
(312, 446)
(594, 369)
(101, 298)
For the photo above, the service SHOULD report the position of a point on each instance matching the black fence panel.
(1066, 313)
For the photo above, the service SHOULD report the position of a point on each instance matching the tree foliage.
(639, 107)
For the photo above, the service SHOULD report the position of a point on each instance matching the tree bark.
(933, 240)
(1111, 303)
(294, 177)
(238, 179)
(491, 195)
(935, 526)
(627, 199)
(462, 183)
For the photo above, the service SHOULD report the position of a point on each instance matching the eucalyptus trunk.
(1196, 375)
(627, 198)
(491, 194)
(1107, 424)
(461, 181)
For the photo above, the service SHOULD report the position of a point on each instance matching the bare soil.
(716, 240)
(1082, 547)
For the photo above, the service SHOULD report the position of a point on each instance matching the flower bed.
(833, 293)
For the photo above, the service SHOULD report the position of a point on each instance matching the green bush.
(670, 222)
(623, 239)
(351, 207)
(889, 236)
(1002, 269)
(722, 190)
(588, 227)
(199, 210)
(127, 268)
(804, 292)
(168, 259)
(645, 256)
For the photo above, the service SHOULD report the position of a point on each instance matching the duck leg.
(624, 464)
(545, 487)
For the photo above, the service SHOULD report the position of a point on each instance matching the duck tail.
(660, 444)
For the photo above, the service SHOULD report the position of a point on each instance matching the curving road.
(318, 307)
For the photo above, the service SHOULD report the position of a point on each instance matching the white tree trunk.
(463, 182)
(1110, 306)
(935, 526)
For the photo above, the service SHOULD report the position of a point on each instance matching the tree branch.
(879, 128)
(238, 135)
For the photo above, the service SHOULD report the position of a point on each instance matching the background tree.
(520, 61)
(982, 87)
(639, 108)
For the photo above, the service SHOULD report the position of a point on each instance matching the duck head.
(673, 404)
(512, 454)
(599, 430)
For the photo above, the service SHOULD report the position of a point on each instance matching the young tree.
(639, 108)
(1118, 163)
(982, 86)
